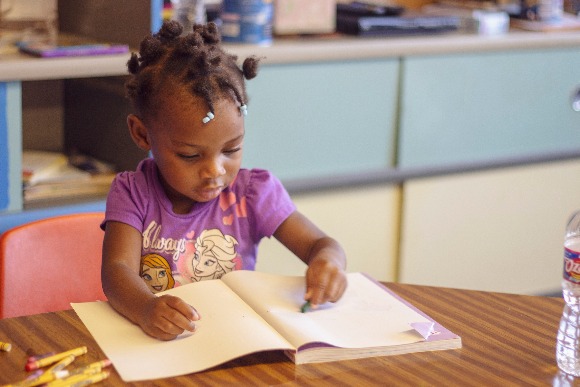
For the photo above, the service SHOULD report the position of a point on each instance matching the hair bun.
(133, 64)
(250, 67)
(170, 30)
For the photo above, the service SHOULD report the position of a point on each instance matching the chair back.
(49, 263)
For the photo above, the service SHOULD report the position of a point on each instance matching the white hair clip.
(244, 110)
(208, 117)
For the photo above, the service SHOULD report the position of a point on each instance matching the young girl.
(191, 205)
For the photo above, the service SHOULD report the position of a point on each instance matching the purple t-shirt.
(214, 238)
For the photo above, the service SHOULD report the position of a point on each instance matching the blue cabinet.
(322, 119)
(477, 107)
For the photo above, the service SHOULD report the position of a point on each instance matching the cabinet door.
(499, 230)
(488, 106)
(319, 119)
(363, 220)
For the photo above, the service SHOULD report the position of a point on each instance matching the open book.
(247, 312)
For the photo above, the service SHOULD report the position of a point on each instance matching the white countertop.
(14, 66)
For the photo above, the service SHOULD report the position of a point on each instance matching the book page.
(228, 329)
(366, 315)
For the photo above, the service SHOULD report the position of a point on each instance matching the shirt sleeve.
(268, 202)
(126, 202)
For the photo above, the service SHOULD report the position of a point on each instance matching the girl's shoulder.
(252, 180)
(140, 185)
(260, 186)
(144, 172)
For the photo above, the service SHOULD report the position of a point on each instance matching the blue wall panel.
(4, 176)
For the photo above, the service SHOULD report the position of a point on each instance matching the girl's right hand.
(166, 317)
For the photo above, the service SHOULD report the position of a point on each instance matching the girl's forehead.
(179, 99)
(173, 107)
(182, 100)
(182, 123)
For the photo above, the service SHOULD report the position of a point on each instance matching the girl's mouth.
(209, 193)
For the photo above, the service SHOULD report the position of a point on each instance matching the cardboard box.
(304, 17)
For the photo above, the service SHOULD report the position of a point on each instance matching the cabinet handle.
(575, 100)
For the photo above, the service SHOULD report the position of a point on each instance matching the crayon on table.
(55, 358)
(42, 379)
(72, 380)
(96, 367)
(41, 356)
(61, 364)
(80, 380)
(34, 374)
(6, 347)
(306, 307)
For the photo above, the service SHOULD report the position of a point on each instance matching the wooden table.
(508, 340)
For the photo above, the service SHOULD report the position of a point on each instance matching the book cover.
(248, 312)
(45, 50)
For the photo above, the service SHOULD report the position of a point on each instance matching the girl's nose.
(213, 168)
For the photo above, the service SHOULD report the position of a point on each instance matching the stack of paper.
(49, 175)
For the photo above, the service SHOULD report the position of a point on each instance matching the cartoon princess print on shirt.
(156, 273)
(215, 255)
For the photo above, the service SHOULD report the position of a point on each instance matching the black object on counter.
(359, 18)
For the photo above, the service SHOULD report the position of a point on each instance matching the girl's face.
(196, 160)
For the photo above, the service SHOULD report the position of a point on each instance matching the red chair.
(49, 263)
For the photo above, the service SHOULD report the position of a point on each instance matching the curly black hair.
(195, 61)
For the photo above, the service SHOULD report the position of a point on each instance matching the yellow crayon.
(38, 357)
(44, 378)
(61, 364)
(70, 380)
(31, 366)
(6, 347)
(55, 372)
(74, 377)
(91, 368)
(34, 375)
(80, 380)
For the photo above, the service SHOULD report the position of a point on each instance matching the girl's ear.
(138, 132)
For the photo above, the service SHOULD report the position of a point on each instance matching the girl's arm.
(162, 317)
(325, 277)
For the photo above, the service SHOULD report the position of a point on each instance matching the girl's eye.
(232, 151)
(188, 157)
